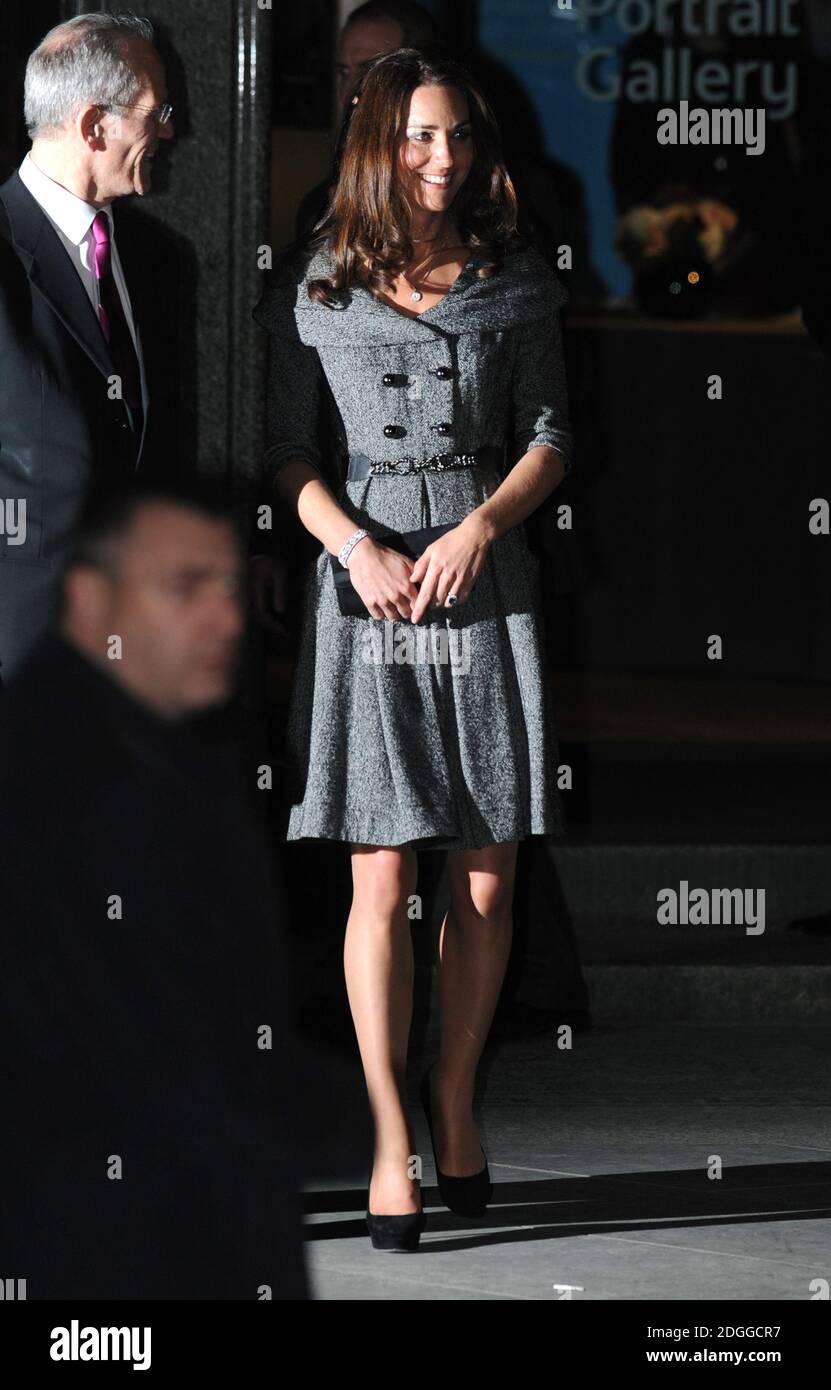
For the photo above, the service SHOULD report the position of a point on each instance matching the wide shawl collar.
(523, 291)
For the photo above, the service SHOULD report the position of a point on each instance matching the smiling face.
(124, 163)
(435, 152)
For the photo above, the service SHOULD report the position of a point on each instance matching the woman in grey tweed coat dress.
(394, 744)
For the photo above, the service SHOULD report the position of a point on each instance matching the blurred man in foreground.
(156, 1141)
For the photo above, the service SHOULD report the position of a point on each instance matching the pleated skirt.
(438, 734)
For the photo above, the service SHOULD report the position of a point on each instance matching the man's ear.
(92, 125)
(86, 599)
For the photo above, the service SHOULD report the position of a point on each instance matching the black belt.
(361, 466)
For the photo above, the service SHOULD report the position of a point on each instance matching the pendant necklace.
(416, 295)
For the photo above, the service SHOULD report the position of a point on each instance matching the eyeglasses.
(162, 113)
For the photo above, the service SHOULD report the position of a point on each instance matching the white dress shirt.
(72, 219)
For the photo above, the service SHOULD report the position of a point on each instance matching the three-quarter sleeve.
(539, 391)
(294, 382)
(295, 379)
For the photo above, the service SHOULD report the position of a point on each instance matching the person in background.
(87, 388)
(756, 272)
(377, 27)
(810, 246)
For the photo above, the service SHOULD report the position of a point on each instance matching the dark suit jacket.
(59, 430)
(138, 1035)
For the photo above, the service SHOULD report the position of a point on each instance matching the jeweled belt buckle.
(435, 464)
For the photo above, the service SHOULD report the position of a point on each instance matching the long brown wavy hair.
(366, 226)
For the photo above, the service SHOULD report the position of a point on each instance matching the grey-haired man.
(81, 357)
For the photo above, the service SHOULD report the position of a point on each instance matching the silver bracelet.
(348, 546)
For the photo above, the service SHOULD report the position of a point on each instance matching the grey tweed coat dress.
(438, 734)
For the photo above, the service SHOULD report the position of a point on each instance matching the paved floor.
(600, 1158)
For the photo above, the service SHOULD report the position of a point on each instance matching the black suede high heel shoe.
(396, 1233)
(464, 1196)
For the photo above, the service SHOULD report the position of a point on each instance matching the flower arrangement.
(686, 227)
(678, 246)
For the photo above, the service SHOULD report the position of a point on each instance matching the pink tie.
(103, 270)
(113, 320)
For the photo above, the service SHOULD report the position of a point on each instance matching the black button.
(394, 431)
(443, 428)
(443, 373)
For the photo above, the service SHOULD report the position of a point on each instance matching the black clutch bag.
(412, 543)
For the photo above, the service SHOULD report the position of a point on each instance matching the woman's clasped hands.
(394, 586)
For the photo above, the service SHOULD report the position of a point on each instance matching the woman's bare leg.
(474, 947)
(378, 963)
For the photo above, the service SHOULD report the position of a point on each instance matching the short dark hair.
(418, 26)
(110, 509)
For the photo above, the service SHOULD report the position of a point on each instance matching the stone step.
(720, 994)
(609, 893)
(637, 967)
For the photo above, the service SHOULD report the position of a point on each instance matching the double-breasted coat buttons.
(444, 427)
